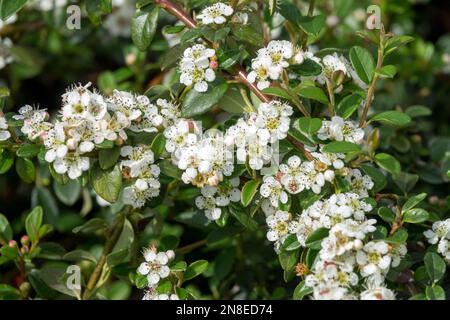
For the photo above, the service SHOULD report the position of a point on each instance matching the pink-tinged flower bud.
(25, 240)
(213, 64)
(12, 243)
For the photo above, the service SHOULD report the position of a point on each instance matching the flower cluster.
(272, 60)
(156, 268)
(340, 130)
(213, 198)
(253, 134)
(440, 235)
(196, 67)
(139, 165)
(215, 14)
(202, 157)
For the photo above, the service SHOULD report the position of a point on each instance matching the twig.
(112, 238)
(371, 90)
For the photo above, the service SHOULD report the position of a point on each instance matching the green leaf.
(196, 103)
(416, 215)
(289, 11)
(143, 26)
(391, 118)
(349, 105)
(6, 161)
(179, 266)
(314, 241)
(413, 201)
(232, 101)
(312, 25)
(363, 63)
(288, 259)
(388, 163)
(9, 7)
(399, 237)
(386, 214)
(107, 158)
(291, 243)
(91, 226)
(417, 111)
(405, 181)
(33, 223)
(6, 233)
(173, 29)
(229, 58)
(168, 243)
(9, 293)
(247, 33)
(242, 216)
(435, 293)
(195, 268)
(277, 92)
(309, 126)
(312, 92)
(341, 147)
(67, 193)
(172, 56)
(25, 169)
(301, 290)
(388, 71)
(78, 255)
(248, 192)
(158, 145)
(107, 183)
(395, 42)
(307, 68)
(28, 150)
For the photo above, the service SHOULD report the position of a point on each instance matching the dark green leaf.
(196, 103)
(143, 26)
(196, 268)
(363, 63)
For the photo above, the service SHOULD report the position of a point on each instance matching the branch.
(371, 90)
(240, 73)
(112, 238)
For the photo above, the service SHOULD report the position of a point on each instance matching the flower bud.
(170, 254)
(12, 243)
(25, 240)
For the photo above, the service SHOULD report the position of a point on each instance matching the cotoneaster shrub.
(255, 159)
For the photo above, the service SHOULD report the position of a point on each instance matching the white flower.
(440, 230)
(4, 133)
(48, 5)
(55, 142)
(79, 103)
(332, 64)
(340, 130)
(331, 280)
(273, 190)
(397, 253)
(155, 265)
(179, 135)
(377, 293)
(270, 62)
(213, 198)
(360, 184)
(216, 13)
(169, 111)
(280, 225)
(34, 124)
(72, 163)
(126, 104)
(374, 258)
(194, 67)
